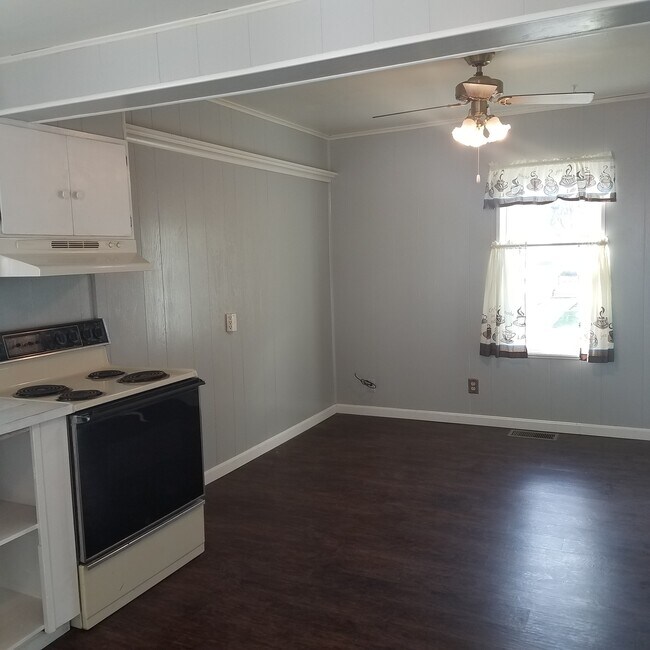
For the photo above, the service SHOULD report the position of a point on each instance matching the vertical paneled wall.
(224, 239)
(410, 244)
(31, 302)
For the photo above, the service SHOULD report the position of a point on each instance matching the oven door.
(135, 463)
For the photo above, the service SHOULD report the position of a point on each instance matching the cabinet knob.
(63, 194)
(78, 195)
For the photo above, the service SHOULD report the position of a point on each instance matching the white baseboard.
(580, 428)
(234, 463)
(497, 421)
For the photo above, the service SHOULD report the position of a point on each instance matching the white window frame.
(502, 239)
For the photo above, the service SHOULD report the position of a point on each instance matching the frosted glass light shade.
(469, 133)
(496, 129)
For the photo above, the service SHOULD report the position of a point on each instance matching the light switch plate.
(231, 322)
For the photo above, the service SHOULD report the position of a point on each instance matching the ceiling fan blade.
(548, 98)
(417, 110)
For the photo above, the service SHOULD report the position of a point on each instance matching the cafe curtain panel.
(591, 178)
(503, 323)
(597, 326)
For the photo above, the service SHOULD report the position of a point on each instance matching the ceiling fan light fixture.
(496, 129)
(477, 131)
(469, 133)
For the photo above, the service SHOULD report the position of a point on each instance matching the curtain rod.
(601, 242)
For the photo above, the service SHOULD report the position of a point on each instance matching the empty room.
(323, 324)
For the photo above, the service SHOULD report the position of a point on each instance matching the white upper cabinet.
(34, 184)
(99, 188)
(57, 184)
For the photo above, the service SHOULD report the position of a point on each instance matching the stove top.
(78, 395)
(143, 376)
(70, 363)
(106, 374)
(40, 390)
(86, 389)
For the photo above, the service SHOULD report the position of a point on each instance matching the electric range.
(72, 361)
(135, 451)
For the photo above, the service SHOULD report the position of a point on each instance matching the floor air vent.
(537, 435)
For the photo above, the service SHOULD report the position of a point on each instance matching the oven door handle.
(80, 419)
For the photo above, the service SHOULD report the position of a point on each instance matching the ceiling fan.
(479, 91)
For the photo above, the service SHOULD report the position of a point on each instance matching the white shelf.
(26, 615)
(16, 520)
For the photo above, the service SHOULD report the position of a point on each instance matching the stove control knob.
(60, 339)
(87, 333)
(74, 336)
(98, 332)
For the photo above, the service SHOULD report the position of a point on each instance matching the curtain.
(590, 178)
(596, 322)
(503, 323)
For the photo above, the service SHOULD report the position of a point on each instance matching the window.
(557, 272)
(548, 282)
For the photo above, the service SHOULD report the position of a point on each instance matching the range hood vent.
(59, 243)
(45, 257)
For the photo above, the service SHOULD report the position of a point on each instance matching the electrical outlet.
(472, 386)
(231, 322)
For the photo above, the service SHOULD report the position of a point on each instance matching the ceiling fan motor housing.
(479, 86)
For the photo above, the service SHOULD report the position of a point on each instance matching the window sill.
(540, 355)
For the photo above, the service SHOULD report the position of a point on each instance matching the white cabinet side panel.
(54, 508)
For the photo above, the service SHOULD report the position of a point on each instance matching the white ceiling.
(27, 25)
(609, 63)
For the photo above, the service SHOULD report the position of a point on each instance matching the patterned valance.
(590, 178)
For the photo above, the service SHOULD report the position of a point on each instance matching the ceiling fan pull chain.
(478, 164)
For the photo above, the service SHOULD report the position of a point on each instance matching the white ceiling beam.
(277, 43)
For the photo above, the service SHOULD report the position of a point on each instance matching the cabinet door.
(99, 187)
(34, 184)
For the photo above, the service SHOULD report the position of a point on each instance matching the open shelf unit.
(25, 614)
(39, 593)
(16, 520)
(21, 606)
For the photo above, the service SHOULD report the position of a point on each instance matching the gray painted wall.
(223, 239)
(229, 239)
(31, 302)
(410, 243)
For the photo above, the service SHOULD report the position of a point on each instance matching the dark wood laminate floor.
(381, 533)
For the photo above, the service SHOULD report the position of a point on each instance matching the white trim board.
(224, 14)
(268, 117)
(233, 105)
(505, 422)
(236, 462)
(579, 428)
(189, 146)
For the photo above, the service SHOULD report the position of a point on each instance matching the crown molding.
(189, 146)
(269, 118)
(504, 116)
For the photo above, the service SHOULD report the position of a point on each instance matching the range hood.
(45, 257)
